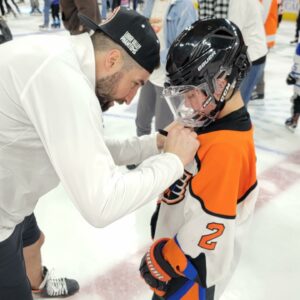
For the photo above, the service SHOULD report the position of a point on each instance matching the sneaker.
(290, 125)
(55, 287)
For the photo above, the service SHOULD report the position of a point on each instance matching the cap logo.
(130, 42)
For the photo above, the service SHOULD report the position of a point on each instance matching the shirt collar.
(84, 50)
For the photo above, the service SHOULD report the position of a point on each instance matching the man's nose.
(130, 96)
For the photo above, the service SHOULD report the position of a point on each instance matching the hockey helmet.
(202, 55)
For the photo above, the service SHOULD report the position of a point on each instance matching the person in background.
(115, 4)
(294, 79)
(202, 219)
(46, 15)
(270, 16)
(2, 8)
(70, 9)
(295, 40)
(5, 33)
(177, 15)
(105, 6)
(51, 131)
(280, 11)
(55, 14)
(35, 7)
(9, 9)
(247, 15)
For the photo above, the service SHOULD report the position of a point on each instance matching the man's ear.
(113, 60)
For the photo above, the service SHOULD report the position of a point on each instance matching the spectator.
(247, 15)
(70, 9)
(294, 79)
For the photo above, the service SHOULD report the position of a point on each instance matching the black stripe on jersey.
(247, 193)
(198, 162)
(205, 209)
(153, 221)
(238, 120)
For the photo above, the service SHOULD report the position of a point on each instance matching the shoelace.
(57, 287)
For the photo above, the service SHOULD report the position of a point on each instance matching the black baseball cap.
(133, 32)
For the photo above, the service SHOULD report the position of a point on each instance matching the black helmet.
(216, 43)
(204, 52)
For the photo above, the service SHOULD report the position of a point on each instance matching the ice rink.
(105, 261)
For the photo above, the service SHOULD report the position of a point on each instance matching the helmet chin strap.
(221, 102)
(239, 65)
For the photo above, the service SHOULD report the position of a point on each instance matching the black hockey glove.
(155, 270)
(290, 79)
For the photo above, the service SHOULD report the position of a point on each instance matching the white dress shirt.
(51, 131)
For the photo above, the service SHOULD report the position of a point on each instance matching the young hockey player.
(201, 221)
(294, 78)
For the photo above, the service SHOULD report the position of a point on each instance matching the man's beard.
(105, 89)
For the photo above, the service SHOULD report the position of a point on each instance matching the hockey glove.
(290, 79)
(155, 270)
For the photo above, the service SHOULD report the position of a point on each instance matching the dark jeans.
(250, 81)
(14, 284)
(55, 12)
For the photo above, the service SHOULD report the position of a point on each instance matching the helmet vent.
(223, 33)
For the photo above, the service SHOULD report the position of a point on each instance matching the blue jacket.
(180, 14)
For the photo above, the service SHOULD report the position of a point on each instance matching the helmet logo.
(225, 92)
(211, 56)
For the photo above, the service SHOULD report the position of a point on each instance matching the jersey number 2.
(206, 240)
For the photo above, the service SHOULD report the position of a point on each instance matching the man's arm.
(133, 150)
(67, 117)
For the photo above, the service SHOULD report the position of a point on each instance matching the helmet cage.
(197, 106)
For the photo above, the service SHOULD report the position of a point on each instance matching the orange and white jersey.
(208, 211)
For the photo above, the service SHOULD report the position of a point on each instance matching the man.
(202, 219)
(70, 9)
(51, 131)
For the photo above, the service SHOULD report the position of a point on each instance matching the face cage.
(196, 106)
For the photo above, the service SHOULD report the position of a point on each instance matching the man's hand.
(156, 24)
(182, 142)
(161, 138)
